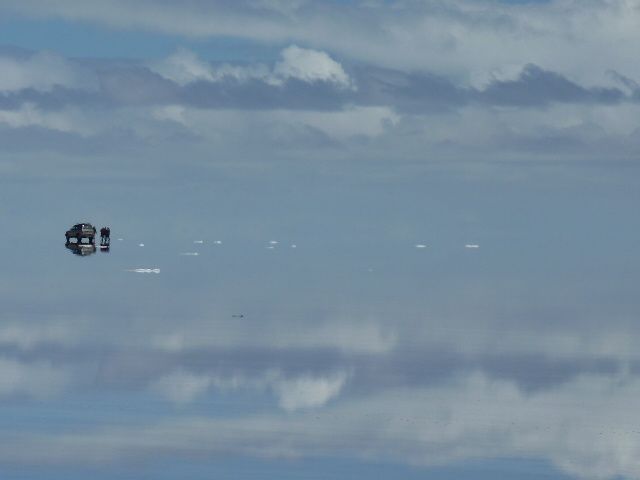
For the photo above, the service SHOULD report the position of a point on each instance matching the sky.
(350, 239)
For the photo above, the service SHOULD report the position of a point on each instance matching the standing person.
(105, 236)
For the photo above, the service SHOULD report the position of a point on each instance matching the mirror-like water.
(483, 338)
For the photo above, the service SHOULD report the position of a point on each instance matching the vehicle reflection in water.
(105, 248)
(82, 249)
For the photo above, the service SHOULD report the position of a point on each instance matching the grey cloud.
(530, 373)
(424, 93)
(58, 97)
(409, 93)
(258, 95)
(405, 92)
(570, 141)
(110, 367)
(624, 80)
(414, 93)
(131, 106)
(37, 138)
(538, 87)
(297, 137)
(631, 85)
(136, 85)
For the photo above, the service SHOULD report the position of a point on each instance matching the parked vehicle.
(80, 231)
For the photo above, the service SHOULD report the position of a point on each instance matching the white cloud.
(345, 124)
(35, 379)
(504, 73)
(185, 67)
(228, 126)
(27, 337)
(174, 113)
(308, 392)
(282, 6)
(181, 386)
(343, 334)
(43, 71)
(310, 66)
(29, 115)
(293, 393)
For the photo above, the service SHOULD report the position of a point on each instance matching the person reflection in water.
(105, 236)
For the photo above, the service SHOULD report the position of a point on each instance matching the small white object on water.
(218, 242)
(190, 254)
(273, 242)
(294, 245)
(421, 245)
(471, 245)
(141, 244)
(144, 270)
(120, 239)
(271, 247)
(198, 241)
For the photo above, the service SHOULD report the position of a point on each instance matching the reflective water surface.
(405, 334)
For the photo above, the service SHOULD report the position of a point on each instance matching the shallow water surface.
(363, 349)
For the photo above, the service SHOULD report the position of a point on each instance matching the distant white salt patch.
(218, 242)
(143, 270)
(421, 245)
(141, 244)
(273, 242)
(189, 254)
(471, 245)
(198, 241)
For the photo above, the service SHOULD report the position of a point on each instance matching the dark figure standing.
(105, 236)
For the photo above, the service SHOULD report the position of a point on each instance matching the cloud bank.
(308, 100)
